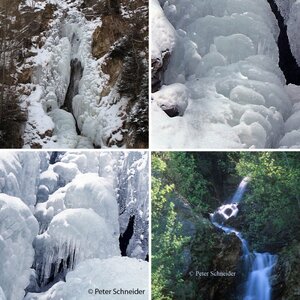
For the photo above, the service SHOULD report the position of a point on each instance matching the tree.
(14, 34)
(272, 201)
(113, 6)
(167, 241)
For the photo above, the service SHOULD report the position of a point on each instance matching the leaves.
(167, 241)
(272, 200)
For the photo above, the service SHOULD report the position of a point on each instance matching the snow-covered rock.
(172, 99)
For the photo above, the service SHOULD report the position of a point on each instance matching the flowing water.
(258, 265)
(258, 283)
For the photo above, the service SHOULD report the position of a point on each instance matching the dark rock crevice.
(126, 236)
(287, 62)
(73, 88)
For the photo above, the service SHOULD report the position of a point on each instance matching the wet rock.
(221, 263)
(158, 67)
(285, 279)
(171, 111)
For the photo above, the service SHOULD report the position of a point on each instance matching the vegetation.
(17, 27)
(273, 199)
(167, 241)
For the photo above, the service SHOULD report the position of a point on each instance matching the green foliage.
(269, 212)
(167, 241)
(206, 238)
(182, 171)
(273, 199)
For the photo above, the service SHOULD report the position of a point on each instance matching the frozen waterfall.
(61, 217)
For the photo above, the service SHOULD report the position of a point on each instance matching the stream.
(258, 265)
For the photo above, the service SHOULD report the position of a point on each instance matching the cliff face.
(21, 28)
(285, 280)
(109, 39)
(122, 42)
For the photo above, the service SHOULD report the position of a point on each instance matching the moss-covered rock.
(285, 280)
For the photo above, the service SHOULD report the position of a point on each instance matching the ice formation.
(133, 201)
(224, 55)
(73, 101)
(70, 38)
(68, 241)
(95, 274)
(71, 208)
(18, 228)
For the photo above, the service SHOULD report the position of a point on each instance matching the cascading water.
(258, 265)
(258, 283)
(240, 191)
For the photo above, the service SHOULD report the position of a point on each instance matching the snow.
(37, 119)
(173, 95)
(290, 10)
(291, 139)
(109, 274)
(64, 133)
(66, 171)
(226, 59)
(19, 175)
(49, 178)
(133, 197)
(90, 191)
(293, 27)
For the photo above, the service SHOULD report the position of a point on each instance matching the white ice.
(18, 228)
(71, 206)
(113, 273)
(226, 57)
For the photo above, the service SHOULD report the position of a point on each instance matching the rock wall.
(122, 42)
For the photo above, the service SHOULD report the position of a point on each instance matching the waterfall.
(258, 265)
(240, 190)
(258, 282)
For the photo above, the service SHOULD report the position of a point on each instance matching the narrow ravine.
(75, 76)
(287, 62)
(76, 72)
(258, 266)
